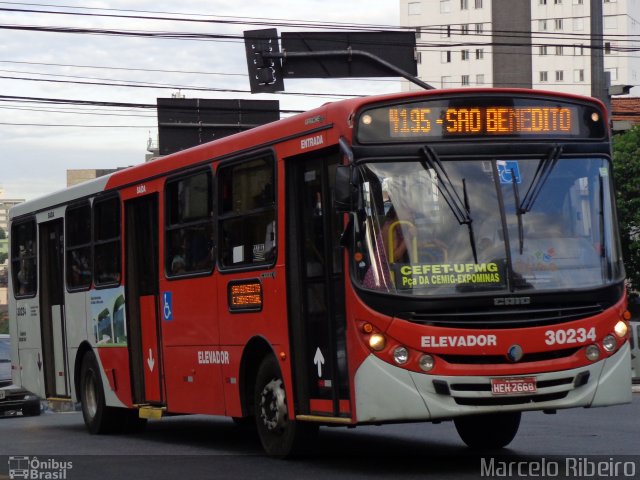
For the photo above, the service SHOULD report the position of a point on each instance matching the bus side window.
(23, 258)
(189, 237)
(78, 246)
(106, 236)
(247, 213)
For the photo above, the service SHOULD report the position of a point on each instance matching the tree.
(626, 164)
(3, 234)
(4, 320)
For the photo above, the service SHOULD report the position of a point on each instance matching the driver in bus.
(378, 274)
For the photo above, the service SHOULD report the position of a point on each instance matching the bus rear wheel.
(490, 431)
(280, 435)
(97, 416)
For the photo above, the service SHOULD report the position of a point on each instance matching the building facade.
(5, 205)
(79, 175)
(543, 44)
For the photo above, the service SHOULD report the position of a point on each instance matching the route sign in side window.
(247, 213)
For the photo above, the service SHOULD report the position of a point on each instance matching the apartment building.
(544, 44)
(5, 205)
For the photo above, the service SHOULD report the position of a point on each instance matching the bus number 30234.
(570, 335)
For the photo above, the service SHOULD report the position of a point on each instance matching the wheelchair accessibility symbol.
(167, 306)
(507, 170)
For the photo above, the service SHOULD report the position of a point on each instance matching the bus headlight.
(592, 353)
(609, 343)
(377, 342)
(621, 329)
(426, 362)
(400, 355)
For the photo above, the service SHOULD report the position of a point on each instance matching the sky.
(35, 151)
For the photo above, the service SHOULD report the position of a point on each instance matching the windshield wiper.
(519, 212)
(601, 228)
(543, 171)
(459, 207)
(539, 179)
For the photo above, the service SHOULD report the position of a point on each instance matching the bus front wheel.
(489, 431)
(280, 435)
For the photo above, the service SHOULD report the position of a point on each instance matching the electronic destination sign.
(480, 116)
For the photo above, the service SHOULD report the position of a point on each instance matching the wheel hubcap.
(90, 400)
(273, 409)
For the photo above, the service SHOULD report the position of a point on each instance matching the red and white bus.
(428, 256)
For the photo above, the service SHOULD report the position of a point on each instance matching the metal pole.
(599, 85)
(350, 53)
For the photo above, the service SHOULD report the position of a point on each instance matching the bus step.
(61, 404)
(151, 412)
(323, 419)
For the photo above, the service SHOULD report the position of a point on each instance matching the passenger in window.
(23, 278)
(80, 270)
(107, 264)
(265, 197)
(317, 210)
(26, 274)
(179, 258)
(178, 266)
(200, 251)
(270, 241)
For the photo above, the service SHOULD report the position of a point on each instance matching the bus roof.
(334, 113)
(66, 195)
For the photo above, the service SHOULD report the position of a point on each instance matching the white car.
(5, 360)
(13, 398)
(635, 351)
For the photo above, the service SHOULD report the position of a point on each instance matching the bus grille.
(479, 394)
(485, 387)
(488, 402)
(502, 359)
(493, 318)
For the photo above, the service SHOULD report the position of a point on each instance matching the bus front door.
(141, 275)
(317, 310)
(52, 313)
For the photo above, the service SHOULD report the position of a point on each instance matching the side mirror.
(343, 193)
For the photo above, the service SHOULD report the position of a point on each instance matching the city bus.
(411, 257)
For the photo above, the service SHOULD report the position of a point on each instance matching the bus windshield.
(462, 226)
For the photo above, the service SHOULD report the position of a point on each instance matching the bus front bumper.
(386, 393)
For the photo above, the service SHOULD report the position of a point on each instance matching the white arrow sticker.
(318, 360)
(150, 361)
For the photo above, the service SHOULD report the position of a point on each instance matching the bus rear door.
(141, 276)
(52, 313)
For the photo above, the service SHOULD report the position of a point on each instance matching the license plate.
(513, 386)
(2, 394)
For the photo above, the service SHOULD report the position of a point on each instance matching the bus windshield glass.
(495, 226)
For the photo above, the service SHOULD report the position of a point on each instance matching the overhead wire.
(220, 19)
(98, 103)
(262, 21)
(76, 112)
(217, 19)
